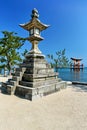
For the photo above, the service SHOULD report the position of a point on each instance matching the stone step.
(17, 73)
(16, 78)
(4, 87)
(9, 80)
(20, 70)
(32, 77)
(38, 84)
(40, 75)
(13, 83)
(45, 71)
(34, 60)
(33, 93)
(62, 84)
(39, 71)
(11, 89)
(35, 65)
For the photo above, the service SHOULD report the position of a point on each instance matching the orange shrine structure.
(76, 65)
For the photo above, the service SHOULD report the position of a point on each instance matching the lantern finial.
(35, 13)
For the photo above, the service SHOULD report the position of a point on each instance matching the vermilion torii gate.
(76, 64)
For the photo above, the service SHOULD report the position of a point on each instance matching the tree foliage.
(9, 45)
(24, 53)
(60, 61)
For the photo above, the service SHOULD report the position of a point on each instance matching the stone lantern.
(34, 27)
(34, 78)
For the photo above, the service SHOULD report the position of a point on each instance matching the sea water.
(70, 75)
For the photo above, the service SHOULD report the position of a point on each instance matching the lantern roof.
(34, 22)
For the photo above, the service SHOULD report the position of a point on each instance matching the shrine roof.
(76, 59)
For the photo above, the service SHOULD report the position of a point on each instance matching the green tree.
(50, 56)
(9, 45)
(60, 60)
(24, 53)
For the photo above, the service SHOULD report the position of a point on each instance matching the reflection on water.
(70, 75)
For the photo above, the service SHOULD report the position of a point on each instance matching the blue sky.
(67, 20)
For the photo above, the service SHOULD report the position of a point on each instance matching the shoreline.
(5, 79)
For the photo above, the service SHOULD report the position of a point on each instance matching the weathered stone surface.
(32, 93)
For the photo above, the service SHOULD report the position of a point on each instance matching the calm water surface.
(68, 75)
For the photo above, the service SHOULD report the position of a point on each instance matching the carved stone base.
(33, 79)
(33, 93)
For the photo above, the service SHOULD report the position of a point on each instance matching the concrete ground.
(63, 110)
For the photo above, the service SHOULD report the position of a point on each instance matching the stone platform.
(35, 78)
